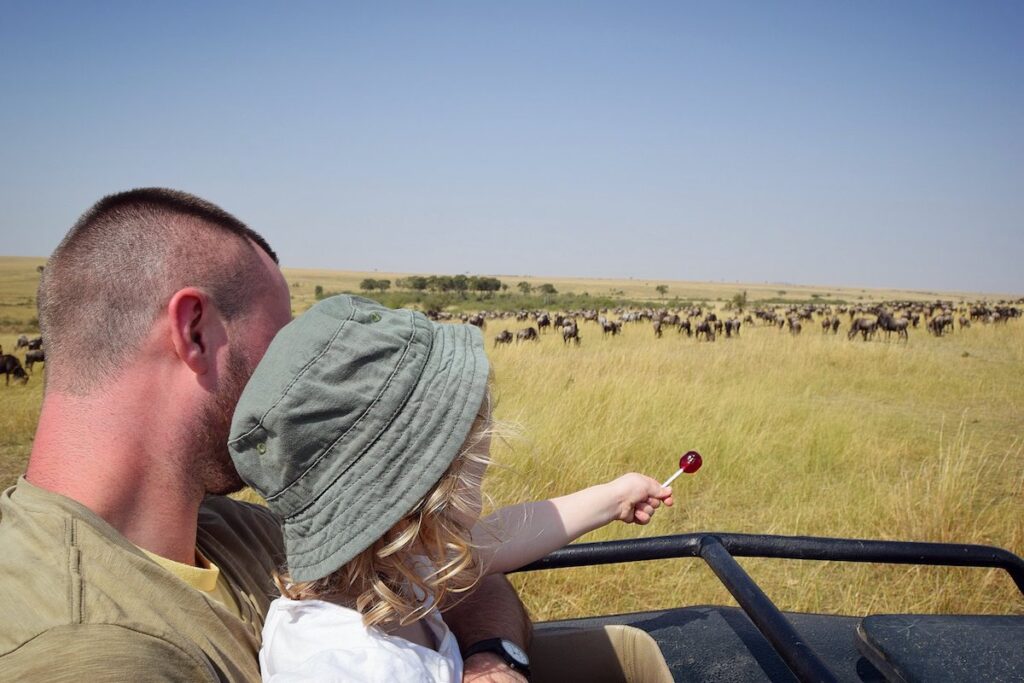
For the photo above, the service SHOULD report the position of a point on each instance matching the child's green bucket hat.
(354, 413)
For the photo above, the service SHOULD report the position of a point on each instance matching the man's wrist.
(487, 667)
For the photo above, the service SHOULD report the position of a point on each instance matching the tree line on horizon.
(452, 283)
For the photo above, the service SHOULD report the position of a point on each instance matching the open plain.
(809, 434)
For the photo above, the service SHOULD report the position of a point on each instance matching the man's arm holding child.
(492, 610)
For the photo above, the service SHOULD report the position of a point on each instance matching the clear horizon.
(869, 146)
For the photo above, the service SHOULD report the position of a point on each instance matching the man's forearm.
(492, 610)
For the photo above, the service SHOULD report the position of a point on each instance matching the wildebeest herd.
(11, 366)
(868, 322)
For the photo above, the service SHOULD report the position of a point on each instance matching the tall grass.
(812, 435)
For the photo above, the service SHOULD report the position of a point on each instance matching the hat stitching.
(299, 374)
(360, 419)
(360, 538)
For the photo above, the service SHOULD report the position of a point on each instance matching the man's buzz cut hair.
(117, 268)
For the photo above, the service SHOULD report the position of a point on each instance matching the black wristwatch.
(506, 649)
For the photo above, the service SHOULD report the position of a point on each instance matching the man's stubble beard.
(216, 471)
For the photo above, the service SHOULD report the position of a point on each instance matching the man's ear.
(192, 319)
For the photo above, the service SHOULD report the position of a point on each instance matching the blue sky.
(868, 144)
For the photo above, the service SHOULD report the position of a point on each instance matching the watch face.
(515, 652)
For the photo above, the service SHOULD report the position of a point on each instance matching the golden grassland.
(808, 435)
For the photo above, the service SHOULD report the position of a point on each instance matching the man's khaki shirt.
(80, 603)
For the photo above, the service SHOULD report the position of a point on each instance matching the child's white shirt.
(313, 640)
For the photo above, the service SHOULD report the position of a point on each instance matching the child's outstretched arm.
(529, 531)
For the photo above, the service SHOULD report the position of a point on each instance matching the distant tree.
(368, 284)
(318, 293)
(739, 300)
(662, 290)
(525, 287)
(485, 284)
(40, 269)
(443, 283)
(383, 285)
(416, 282)
(548, 288)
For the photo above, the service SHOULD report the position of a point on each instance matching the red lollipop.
(689, 463)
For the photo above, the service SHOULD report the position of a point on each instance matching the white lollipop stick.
(672, 478)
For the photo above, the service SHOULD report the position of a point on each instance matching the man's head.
(153, 259)
(119, 265)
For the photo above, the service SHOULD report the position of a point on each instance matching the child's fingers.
(643, 510)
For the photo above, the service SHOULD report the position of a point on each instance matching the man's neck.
(109, 457)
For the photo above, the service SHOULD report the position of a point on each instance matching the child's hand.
(636, 497)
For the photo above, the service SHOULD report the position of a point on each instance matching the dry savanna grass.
(808, 435)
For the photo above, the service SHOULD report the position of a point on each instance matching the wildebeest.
(9, 365)
(657, 328)
(864, 326)
(33, 357)
(22, 341)
(685, 326)
(732, 326)
(610, 326)
(527, 334)
(570, 331)
(504, 338)
(543, 321)
(34, 344)
(835, 324)
(939, 323)
(890, 325)
(704, 327)
(964, 322)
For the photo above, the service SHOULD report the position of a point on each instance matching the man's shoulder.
(64, 653)
(63, 570)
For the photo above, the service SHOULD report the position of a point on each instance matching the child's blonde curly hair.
(382, 583)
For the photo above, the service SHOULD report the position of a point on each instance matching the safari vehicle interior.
(758, 642)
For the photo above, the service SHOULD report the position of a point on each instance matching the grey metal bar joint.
(788, 643)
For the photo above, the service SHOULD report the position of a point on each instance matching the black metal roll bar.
(719, 550)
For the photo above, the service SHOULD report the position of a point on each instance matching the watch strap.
(497, 646)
